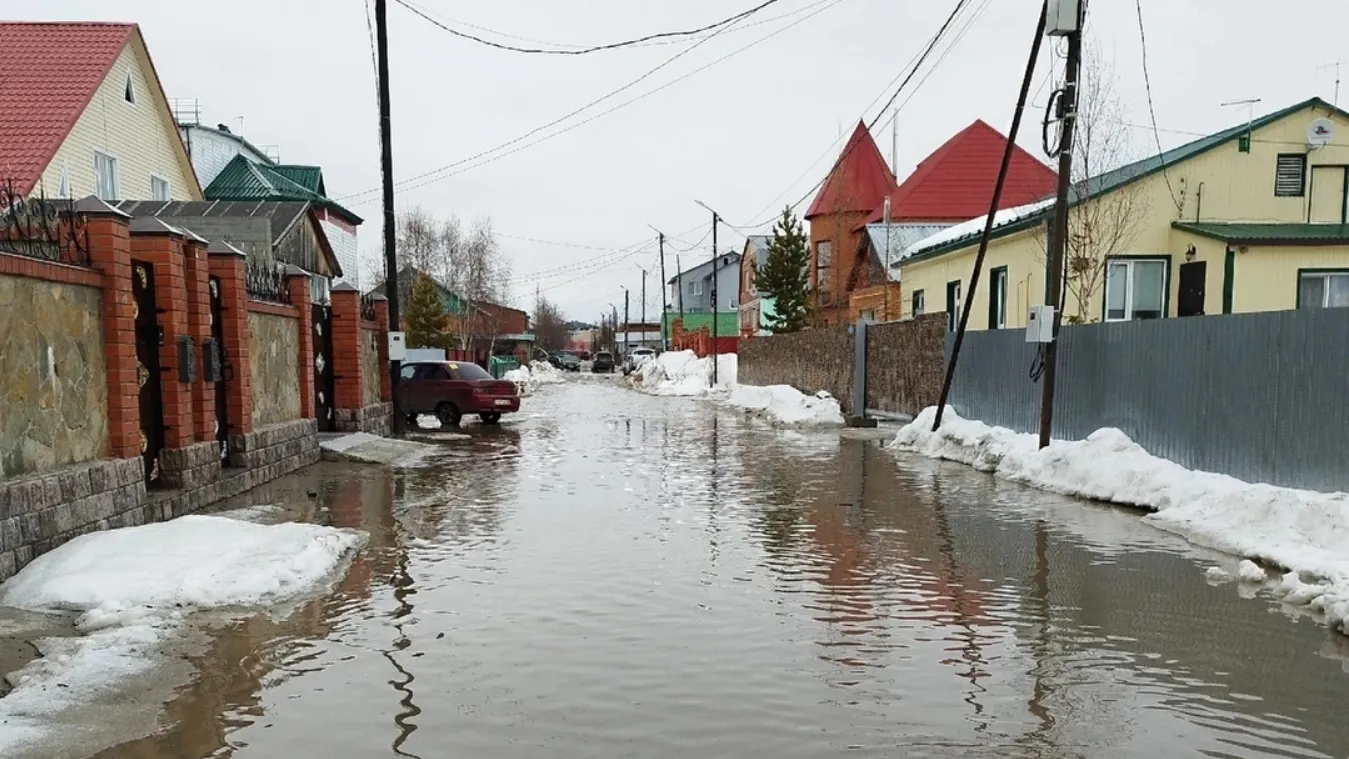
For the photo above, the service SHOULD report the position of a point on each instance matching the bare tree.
(550, 328)
(419, 242)
(1106, 225)
(478, 272)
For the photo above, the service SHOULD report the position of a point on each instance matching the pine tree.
(427, 323)
(784, 275)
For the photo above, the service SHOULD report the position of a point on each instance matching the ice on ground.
(785, 404)
(682, 373)
(1217, 575)
(131, 588)
(1299, 530)
(364, 448)
(1249, 571)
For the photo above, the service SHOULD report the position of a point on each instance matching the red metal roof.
(859, 180)
(955, 183)
(48, 74)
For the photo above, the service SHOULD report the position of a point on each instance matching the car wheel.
(448, 414)
(490, 417)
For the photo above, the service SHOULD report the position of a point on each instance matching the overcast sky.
(741, 135)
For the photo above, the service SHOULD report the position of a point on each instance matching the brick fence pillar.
(159, 244)
(110, 253)
(382, 319)
(196, 271)
(347, 347)
(297, 283)
(226, 263)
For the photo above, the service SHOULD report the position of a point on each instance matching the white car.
(636, 358)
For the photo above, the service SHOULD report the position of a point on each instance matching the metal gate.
(149, 337)
(218, 371)
(323, 368)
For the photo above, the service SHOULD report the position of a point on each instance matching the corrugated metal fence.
(1262, 397)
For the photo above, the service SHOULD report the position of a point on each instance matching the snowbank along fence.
(1260, 397)
(904, 363)
(147, 373)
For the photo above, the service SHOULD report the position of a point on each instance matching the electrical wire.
(594, 48)
(1152, 112)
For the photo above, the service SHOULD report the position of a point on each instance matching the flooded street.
(616, 575)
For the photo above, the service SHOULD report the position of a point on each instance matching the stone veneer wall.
(375, 419)
(810, 361)
(277, 449)
(53, 381)
(371, 367)
(274, 345)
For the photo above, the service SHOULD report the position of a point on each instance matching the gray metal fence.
(1262, 397)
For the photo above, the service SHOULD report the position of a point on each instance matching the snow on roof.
(974, 227)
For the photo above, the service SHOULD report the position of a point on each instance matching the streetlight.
(715, 305)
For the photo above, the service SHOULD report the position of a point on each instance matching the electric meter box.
(397, 346)
(1063, 17)
(1040, 324)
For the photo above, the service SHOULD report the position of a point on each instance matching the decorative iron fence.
(265, 280)
(368, 307)
(36, 227)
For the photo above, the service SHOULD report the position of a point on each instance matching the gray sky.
(736, 136)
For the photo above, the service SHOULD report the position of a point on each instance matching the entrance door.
(148, 340)
(1191, 285)
(222, 432)
(1328, 195)
(323, 368)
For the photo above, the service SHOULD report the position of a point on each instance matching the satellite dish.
(1320, 132)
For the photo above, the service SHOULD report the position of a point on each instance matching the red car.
(450, 389)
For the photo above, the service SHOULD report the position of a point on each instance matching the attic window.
(130, 92)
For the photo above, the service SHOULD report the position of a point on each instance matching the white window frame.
(1325, 287)
(953, 308)
(63, 184)
(998, 291)
(1129, 263)
(116, 180)
(697, 287)
(168, 187)
(919, 302)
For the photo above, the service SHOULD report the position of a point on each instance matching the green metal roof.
(1269, 234)
(243, 180)
(1128, 174)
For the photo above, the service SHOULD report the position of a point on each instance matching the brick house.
(82, 113)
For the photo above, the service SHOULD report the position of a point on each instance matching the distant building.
(691, 289)
(755, 307)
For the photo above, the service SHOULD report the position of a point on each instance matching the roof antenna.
(1335, 65)
(1244, 144)
(239, 119)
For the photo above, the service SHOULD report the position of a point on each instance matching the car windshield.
(603, 354)
(469, 372)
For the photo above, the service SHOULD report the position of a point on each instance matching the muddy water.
(613, 575)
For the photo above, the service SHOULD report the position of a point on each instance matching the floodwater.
(614, 575)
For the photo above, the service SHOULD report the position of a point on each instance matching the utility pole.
(664, 307)
(1058, 238)
(399, 421)
(716, 306)
(627, 321)
(643, 304)
(679, 282)
(885, 267)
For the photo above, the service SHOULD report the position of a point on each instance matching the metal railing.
(42, 228)
(265, 280)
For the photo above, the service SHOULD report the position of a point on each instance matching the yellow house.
(1253, 218)
(82, 113)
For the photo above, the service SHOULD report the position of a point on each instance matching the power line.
(429, 177)
(1152, 112)
(594, 48)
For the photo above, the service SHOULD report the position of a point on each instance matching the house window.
(868, 316)
(952, 305)
(997, 298)
(919, 303)
(1290, 172)
(824, 259)
(63, 188)
(1323, 289)
(698, 288)
(130, 92)
(1135, 289)
(159, 188)
(105, 175)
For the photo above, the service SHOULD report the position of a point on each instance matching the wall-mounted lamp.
(1190, 253)
(1241, 248)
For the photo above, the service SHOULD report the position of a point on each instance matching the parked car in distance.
(451, 389)
(636, 358)
(583, 355)
(604, 362)
(568, 361)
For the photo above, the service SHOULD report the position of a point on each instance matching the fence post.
(161, 245)
(197, 275)
(859, 418)
(346, 339)
(382, 319)
(110, 253)
(227, 263)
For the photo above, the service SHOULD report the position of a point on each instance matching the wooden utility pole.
(664, 344)
(399, 421)
(715, 305)
(1058, 238)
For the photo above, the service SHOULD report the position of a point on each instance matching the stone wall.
(811, 360)
(371, 368)
(53, 381)
(274, 347)
(277, 449)
(375, 419)
(906, 363)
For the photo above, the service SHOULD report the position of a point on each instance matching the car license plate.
(502, 402)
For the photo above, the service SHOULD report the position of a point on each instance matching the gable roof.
(454, 304)
(48, 74)
(956, 181)
(858, 181)
(1011, 221)
(245, 179)
(759, 245)
(707, 265)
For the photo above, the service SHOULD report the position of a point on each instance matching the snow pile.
(784, 404)
(1300, 530)
(132, 586)
(976, 226)
(682, 373)
(528, 378)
